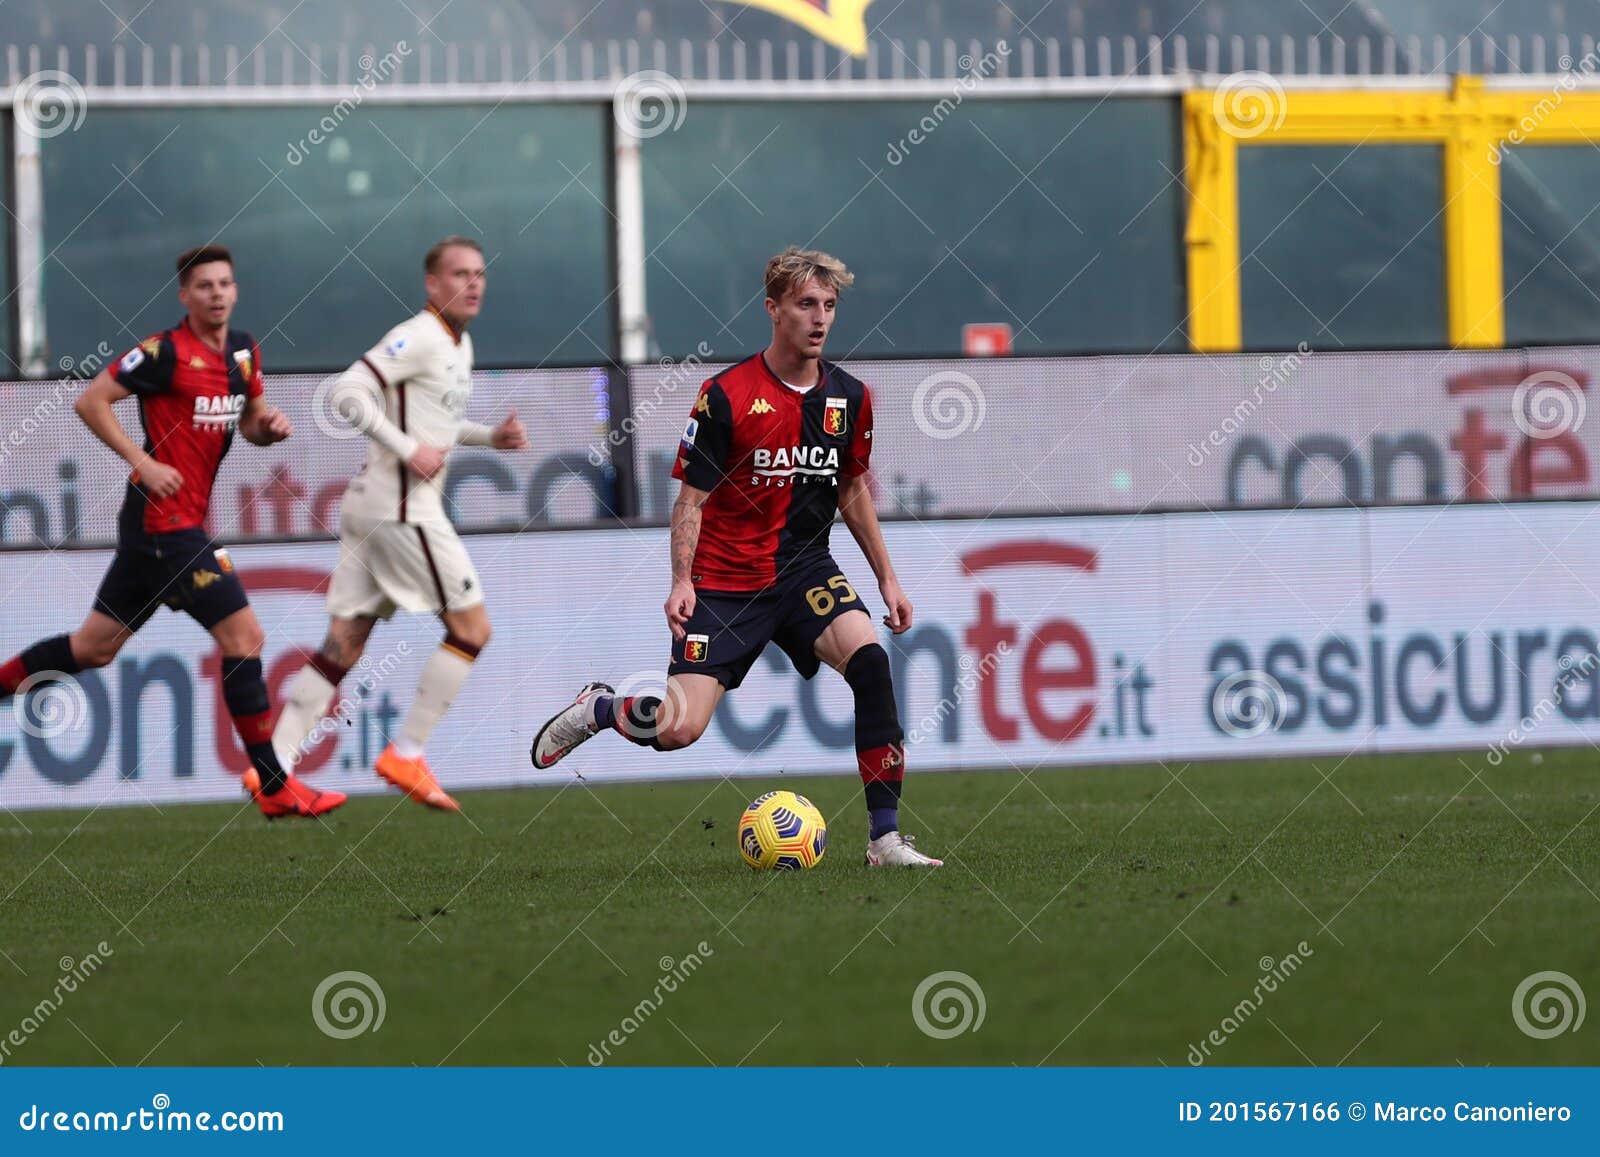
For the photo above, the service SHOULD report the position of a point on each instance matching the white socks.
(446, 670)
(306, 702)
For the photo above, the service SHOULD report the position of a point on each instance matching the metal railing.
(568, 60)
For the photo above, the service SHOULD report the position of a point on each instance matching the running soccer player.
(197, 383)
(397, 549)
(775, 446)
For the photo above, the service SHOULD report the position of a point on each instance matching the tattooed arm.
(685, 538)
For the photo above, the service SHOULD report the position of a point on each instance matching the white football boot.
(567, 728)
(893, 850)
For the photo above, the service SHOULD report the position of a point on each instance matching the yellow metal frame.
(1472, 123)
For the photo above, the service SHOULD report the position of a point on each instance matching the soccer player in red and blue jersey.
(197, 383)
(775, 447)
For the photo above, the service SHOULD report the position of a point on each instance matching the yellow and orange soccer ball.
(782, 831)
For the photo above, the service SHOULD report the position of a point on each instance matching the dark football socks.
(52, 654)
(879, 755)
(245, 693)
(633, 717)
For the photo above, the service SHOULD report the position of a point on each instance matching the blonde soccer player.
(397, 550)
(776, 446)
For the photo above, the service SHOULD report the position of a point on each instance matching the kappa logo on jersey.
(762, 406)
(695, 648)
(196, 362)
(833, 418)
(218, 411)
(245, 362)
(204, 578)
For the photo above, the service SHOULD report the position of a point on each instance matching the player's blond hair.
(430, 262)
(795, 266)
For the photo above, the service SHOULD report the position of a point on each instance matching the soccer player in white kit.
(397, 549)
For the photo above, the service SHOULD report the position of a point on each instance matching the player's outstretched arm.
(686, 512)
(859, 514)
(262, 424)
(94, 408)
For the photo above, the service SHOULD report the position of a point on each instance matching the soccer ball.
(783, 831)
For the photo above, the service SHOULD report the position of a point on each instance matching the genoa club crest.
(695, 648)
(833, 418)
(842, 23)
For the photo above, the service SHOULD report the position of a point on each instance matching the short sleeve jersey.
(191, 398)
(771, 457)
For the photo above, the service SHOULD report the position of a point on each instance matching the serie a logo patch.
(695, 648)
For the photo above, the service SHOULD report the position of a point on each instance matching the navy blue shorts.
(729, 629)
(183, 570)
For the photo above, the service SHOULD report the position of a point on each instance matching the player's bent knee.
(679, 733)
(476, 636)
(92, 653)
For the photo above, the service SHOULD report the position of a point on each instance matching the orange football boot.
(415, 778)
(294, 798)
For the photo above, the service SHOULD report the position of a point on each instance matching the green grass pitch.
(1110, 916)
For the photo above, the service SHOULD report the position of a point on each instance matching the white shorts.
(386, 566)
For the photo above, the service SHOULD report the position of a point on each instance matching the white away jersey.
(422, 373)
